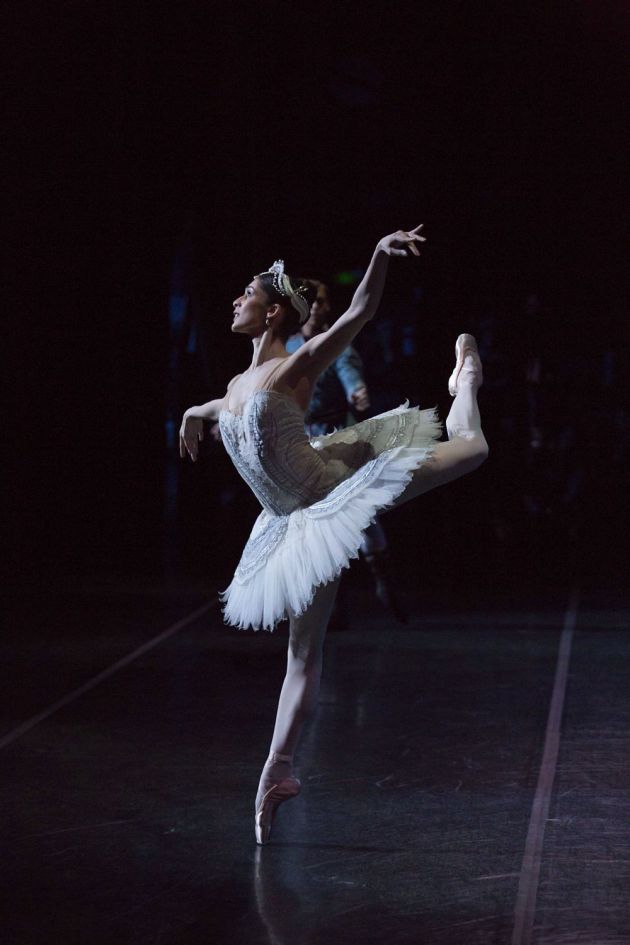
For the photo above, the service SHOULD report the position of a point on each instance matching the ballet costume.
(318, 496)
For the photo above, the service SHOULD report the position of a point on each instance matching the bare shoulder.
(284, 374)
(298, 367)
(293, 379)
(230, 387)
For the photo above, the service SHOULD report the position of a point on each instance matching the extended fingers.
(414, 235)
(185, 445)
(188, 444)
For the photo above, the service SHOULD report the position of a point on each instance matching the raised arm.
(316, 354)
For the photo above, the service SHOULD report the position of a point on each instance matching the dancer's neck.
(266, 348)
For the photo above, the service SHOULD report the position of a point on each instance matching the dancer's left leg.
(466, 448)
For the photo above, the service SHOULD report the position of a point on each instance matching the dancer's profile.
(318, 496)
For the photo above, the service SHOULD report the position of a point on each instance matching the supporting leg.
(300, 689)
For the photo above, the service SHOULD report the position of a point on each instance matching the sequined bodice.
(269, 447)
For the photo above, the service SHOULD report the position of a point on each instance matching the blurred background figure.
(340, 393)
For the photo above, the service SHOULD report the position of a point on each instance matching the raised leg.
(466, 448)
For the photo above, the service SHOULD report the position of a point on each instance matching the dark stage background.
(158, 162)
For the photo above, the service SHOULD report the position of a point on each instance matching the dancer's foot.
(467, 360)
(272, 792)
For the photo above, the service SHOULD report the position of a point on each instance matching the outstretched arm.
(316, 354)
(191, 430)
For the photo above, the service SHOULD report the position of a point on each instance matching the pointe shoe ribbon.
(277, 794)
(464, 346)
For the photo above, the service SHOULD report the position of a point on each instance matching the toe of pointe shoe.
(263, 832)
(276, 795)
(465, 344)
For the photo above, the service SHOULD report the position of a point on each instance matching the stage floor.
(440, 801)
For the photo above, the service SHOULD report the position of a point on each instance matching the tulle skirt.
(288, 556)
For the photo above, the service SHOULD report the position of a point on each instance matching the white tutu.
(362, 469)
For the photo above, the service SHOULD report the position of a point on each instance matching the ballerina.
(319, 496)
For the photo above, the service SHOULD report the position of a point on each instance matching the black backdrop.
(247, 133)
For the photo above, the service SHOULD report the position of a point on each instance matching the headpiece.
(282, 285)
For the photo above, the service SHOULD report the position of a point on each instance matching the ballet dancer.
(319, 496)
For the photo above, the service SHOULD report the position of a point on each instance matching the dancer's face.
(250, 310)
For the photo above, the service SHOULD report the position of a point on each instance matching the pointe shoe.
(277, 794)
(283, 790)
(464, 345)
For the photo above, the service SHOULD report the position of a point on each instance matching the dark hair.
(291, 321)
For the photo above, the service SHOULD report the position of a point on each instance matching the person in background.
(341, 391)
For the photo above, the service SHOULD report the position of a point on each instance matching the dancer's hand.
(360, 399)
(316, 354)
(402, 241)
(190, 435)
(215, 432)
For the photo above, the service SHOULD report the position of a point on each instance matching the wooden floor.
(439, 803)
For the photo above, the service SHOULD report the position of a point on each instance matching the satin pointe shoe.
(283, 790)
(464, 346)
